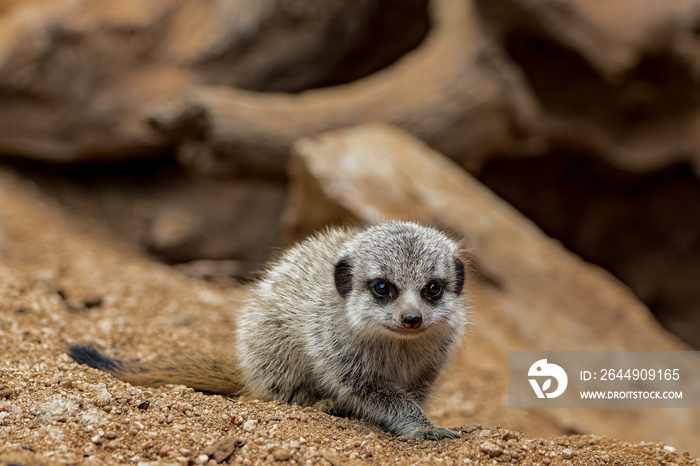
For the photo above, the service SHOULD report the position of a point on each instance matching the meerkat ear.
(459, 275)
(343, 277)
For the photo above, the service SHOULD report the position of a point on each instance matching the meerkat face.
(401, 279)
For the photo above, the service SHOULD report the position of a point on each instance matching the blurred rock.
(177, 218)
(644, 228)
(504, 78)
(618, 79)
(58, 407)
(527, 292)
(105, 81)
(76, 78)
(457, 91)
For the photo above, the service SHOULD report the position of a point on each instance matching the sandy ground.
(64, 281)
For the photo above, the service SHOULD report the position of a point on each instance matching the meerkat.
(359, 322)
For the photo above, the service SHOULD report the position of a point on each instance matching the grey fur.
(316, 333)
(303, 339)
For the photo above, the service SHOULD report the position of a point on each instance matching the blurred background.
(169, 122)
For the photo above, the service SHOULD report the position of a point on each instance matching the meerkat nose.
(412, 320)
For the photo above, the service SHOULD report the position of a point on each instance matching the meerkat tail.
(210, 373)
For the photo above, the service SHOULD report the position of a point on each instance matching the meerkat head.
(401, 279)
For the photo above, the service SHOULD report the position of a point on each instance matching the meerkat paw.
(325, 405)
(434, 432)
(328, 406)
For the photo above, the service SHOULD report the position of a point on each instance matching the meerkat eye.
(432, 290)
(383, 289)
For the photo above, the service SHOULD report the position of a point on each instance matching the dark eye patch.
(343, 277)
(459, 275)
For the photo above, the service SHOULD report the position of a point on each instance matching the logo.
(544, 369)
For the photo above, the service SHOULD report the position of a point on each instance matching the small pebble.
(491, 449)
(281, 454)
(201, 459)
(164, 450)
(567, 454)
(669, 448)
(249, 425)
(102, 396)
(223, 448)
(66, 383)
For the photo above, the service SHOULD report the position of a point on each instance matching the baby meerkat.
(359, 322)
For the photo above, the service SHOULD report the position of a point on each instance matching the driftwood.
(81, 80)
(105, 80)
(616, 79)
(456, 91)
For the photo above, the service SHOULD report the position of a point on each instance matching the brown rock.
(104, 115)
(165, 450)
(608, 53)
(224, 448)
(491, 449)
(489, 107)
(492, 77)
(281, 454)
(66, 383)
(473, 91)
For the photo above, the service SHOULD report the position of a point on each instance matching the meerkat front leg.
(395, 410)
